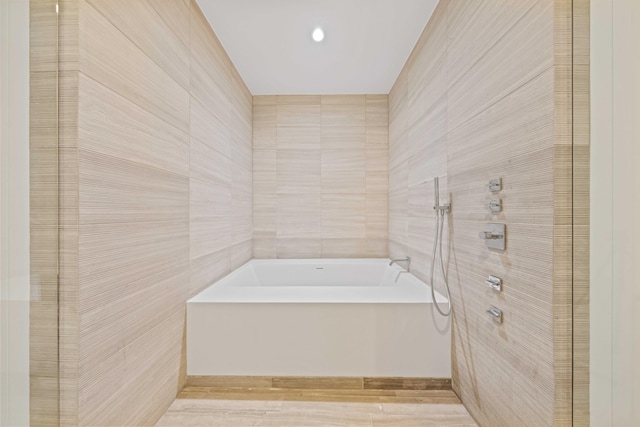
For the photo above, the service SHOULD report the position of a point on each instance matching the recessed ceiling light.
(318, 34)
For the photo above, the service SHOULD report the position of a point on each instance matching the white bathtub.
(329, 317)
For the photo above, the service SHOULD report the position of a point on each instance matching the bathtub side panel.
(316, 340)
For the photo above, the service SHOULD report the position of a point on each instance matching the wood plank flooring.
(237, 406)
(284, 413)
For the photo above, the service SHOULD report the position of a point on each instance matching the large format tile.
(328, 155)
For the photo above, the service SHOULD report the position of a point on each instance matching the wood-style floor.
(234, 407)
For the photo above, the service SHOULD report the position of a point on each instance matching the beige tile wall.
(484, 95)
(43, 171)
(157, 197)
(320, 176)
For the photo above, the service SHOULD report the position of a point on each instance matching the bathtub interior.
(319, 280)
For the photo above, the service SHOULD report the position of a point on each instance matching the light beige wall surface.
(615, 207)
(320, 176)
(484, 95)
(15, 293)
(157, 199)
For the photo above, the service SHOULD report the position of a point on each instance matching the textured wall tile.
(330, 159)
(478, 99)
(157, 197)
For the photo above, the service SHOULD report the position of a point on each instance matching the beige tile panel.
(172, 54)
(44, 409)
(298, 226)
(211, 94)
(428, 163)
(378, 247)
(427, 86)
(298, 182)
(299, 248)
(427, 126)
(150, 363)
(241, 228)
(208, 129)
(264, 184)
(343, 182)
(343, 161)
(208, 269)
(209, 199)
(209, 235)
(343, 115)
(112, 315)
(476, 28)
(264, 248)
(292, 100)
(345, 204)
(346, 247)
(344, 137)
(377, 110)
(241, 253)
(377, 183)
(299, 138)
(211, 76)
(377, 205)
(116, 191)
(355, 100)
(113, 125)
(377, 136)
(520, 59)
(581, 152)
(264, 161)
(299, 115)
(377, 159)
(43, 54)
(264, 116)
(344, 226)
(109, 57)
(241, 151)
(264, 100)
(209, 165)
(177, 16)
(297, 160)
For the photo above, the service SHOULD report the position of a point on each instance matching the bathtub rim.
(412, 291)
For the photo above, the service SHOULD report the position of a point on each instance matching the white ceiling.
(367, 42)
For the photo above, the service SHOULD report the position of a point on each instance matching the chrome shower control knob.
(494, 283)
(495, 206)
(487, 235)
(495, 313)
(495, 185)
(494, 236)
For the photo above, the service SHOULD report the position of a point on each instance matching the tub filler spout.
(407, 260)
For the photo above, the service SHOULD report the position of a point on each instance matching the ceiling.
(367, 42)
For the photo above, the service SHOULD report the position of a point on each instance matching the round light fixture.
(318, 34)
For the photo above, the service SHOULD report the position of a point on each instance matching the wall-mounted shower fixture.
(441, 211)
(446, 208)
(496, 313)
(494, 236)
(494, 283)
(495, 206)
(495, 185)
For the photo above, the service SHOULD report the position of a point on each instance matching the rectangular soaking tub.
(318, 317)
